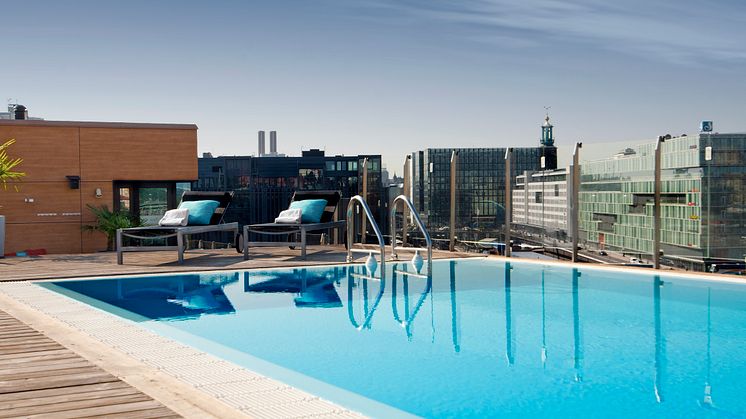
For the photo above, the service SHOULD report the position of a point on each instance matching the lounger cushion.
(200, 212)
(311, 209)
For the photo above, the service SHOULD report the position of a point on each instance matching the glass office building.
(702, 201)
(480, 187)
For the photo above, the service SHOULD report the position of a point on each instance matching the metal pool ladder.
(420, 225)
(351, 227)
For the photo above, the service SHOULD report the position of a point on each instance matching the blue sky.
(388, 77)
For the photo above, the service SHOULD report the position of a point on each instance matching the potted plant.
(8, 175)
(108, 222)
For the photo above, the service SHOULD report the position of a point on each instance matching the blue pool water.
(480, 339)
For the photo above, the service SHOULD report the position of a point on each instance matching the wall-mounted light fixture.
(73, 181)
(99, 193)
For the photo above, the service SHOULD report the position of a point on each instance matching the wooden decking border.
(41, 378)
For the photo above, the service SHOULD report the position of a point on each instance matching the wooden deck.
(41, 378)
(102, 264)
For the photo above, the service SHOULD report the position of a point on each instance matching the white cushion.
(175, 218)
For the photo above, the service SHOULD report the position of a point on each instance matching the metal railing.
(420, 225)
(351, 227)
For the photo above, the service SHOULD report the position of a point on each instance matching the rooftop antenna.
(546, 109)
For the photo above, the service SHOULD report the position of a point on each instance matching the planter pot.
(2, 236)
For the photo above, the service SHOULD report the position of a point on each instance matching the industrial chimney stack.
(273, 143)
(262, 149)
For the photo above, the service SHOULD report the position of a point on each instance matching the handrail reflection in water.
(408, 317)
(368, 312)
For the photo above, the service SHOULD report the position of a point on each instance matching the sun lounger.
(327, 222)
(160, 232)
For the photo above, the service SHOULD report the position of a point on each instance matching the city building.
(540, 203)
(703, 200)
(264, 185)
(70, 165)
(480, 184)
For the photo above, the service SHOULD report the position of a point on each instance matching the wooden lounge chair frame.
(159, 232)
(274, 229)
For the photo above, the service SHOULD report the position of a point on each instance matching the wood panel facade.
(46, 213)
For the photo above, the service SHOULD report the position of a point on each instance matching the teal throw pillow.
(200, 212)
(310, 209)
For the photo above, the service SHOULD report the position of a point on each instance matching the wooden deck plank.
(97, 411)
(30, 348)
(11, 386)
(159, 412)
(44, 366)
(54, 398)
(37, 355)
(70, 371)
(42, 394)
(62, 407)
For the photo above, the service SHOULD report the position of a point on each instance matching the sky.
(382, 76)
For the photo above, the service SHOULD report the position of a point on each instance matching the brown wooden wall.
(99, 153)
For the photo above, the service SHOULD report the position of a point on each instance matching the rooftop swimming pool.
(480, 338)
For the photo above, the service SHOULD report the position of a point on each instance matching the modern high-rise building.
(703, 202)
(480, 184)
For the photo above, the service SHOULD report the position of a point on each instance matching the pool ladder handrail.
(420, 225)
(350, 232)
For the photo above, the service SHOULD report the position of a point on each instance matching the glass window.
(339, 166)
(125, 200)
(330, 166)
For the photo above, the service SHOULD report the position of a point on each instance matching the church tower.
(548, 150)
(547, 136)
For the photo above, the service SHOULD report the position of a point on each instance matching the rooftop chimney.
(261, 144)
(273, 142)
